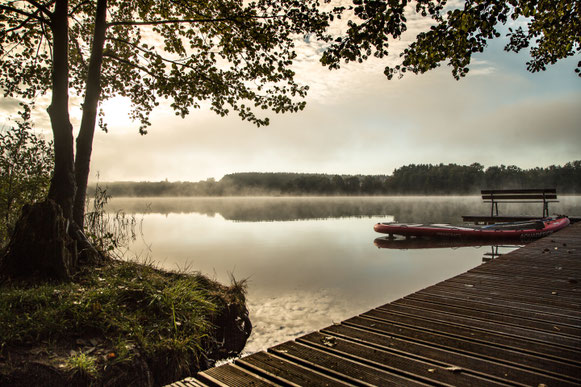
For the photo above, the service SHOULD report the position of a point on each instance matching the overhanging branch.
(24, 22)
(41, 7)
(129, 63)
(24, 13)
(158, 22)
(167, 60)
(180, 21)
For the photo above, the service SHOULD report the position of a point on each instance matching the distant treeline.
(421, 179)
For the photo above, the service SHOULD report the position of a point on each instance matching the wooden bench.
(537, 195)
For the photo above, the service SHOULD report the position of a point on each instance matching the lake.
(309, 261)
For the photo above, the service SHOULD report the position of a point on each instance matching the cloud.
(365, 125)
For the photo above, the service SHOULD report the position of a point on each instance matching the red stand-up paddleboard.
(515, 230)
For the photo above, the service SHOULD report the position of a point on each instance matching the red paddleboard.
(515, 230)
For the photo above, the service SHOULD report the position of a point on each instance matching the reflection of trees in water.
(441, 209)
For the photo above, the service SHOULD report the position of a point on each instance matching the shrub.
(26, 164)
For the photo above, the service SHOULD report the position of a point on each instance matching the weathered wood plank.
(491, 297)
(339, 367)
(231, 375)
(550, 297)
(486, 350)
(551, 344)
(501, 309)
(425, 370)
(456, 311)
(284, 371)
(494, 367)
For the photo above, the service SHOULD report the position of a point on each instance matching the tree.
(553, 32)
(233, 55)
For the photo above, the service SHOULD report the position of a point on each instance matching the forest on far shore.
(413, 179)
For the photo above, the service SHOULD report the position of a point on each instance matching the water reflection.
(496, 248)
(304, 274)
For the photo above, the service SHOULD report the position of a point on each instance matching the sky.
(357, 122)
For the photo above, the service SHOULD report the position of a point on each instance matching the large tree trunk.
(40, 245)
(62, 186)
(93, 91)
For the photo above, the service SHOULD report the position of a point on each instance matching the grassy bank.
(120, 324)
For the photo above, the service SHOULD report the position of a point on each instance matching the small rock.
(432, 370)
(554, 293)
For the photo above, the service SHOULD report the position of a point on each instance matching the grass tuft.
(83, 365)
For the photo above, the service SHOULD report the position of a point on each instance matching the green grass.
(123, 310)
(83, 364)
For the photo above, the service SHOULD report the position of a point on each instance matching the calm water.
(309, 261)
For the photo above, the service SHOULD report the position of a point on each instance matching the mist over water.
(309, 261)
(403, 208)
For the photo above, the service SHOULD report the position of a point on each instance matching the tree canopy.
(231, 55)
(551, 29)
(234, 56)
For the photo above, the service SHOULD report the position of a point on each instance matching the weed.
(110, 233)
(82, 364)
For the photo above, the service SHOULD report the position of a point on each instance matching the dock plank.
(487, 367)
(485, 350)
(561, 348)
(514, 320)
(425, 369)
(232, 375)
(504, 318)
(284, 371)
(503, 309)
(340, 367)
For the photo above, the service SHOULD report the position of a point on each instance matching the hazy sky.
(356, 121)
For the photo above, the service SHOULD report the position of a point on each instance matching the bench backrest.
(540, 195)
(519, 194)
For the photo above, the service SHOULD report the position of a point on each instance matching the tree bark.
(41, 245)
(62, 186)
(90, 105)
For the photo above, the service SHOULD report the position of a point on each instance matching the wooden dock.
(515, 320)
